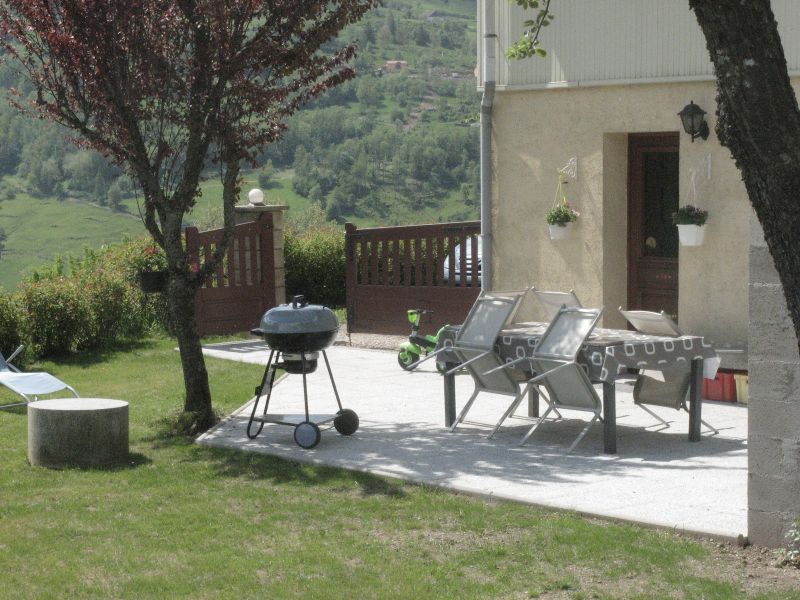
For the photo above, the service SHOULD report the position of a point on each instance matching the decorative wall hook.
(570, 169)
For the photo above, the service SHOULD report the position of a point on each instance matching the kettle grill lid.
(299, 317)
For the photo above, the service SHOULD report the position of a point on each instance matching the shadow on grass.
(232, 463)
(134, 460)
(90, 358)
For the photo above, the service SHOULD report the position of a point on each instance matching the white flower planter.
(691, 235)
(557, 232)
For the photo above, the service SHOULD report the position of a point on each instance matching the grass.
(185, 521)
(40, 228)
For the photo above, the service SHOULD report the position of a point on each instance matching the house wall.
(537, 131)
(629, 41)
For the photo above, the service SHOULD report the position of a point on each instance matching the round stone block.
(77, 432)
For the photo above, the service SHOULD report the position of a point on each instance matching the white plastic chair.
(553, 301)
(474, 346)
(30, 386)
(648, 390)
(560, 376)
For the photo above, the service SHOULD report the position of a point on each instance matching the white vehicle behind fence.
(456, 268)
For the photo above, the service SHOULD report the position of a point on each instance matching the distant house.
(433, 15)
(395, 65)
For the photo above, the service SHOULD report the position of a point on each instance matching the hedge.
(94, 301)
(315, 265)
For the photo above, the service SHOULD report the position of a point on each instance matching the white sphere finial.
(256, 197)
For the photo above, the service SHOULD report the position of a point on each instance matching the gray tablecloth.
(607, 354)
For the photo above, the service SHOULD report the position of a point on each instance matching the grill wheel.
(307, 434)
(346, 422)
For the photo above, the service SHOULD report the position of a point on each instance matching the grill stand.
(306, 426)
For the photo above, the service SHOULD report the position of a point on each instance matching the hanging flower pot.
(691, 235)
(690, 221)
(153, 282)
(560, 232)
(561, 214)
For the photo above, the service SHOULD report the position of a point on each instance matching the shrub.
(13, 328)
(792, 551)
(115, 309)
(59, 315)
(315, 265)
(108, 304)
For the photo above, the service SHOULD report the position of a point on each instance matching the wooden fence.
(243, 286)
(392, 269)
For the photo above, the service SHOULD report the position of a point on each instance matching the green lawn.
(40, 228)
(185, 521)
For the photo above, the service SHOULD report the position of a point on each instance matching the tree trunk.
(181, 296)
(759, 121)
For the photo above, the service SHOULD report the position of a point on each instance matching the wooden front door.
(652, 238)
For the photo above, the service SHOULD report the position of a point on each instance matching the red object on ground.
(722, 388)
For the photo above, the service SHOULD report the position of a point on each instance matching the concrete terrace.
(657, 478)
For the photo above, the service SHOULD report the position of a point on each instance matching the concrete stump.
(77, 432)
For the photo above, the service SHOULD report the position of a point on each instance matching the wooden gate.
(243, 286)
(392, 269)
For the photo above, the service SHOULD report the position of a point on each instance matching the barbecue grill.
(297, 334)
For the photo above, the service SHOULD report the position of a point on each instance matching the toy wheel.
(307, 435)
(346, 422)
(406, 359)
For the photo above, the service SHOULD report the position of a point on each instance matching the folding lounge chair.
(553, 301)
(474, 345)
(560, 376)
(30, 386)
(672, 391)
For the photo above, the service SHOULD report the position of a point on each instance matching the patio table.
(606, 356)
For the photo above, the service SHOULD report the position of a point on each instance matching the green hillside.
(396, 145)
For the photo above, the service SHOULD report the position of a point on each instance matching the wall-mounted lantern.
(694, 121)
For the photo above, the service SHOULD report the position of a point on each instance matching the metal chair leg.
(583, 433)
(464, 410)
(517, 401)
(533, 429)
(654, 415)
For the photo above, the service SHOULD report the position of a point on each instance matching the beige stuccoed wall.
(537, 132)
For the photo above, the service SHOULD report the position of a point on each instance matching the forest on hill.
(396, 145)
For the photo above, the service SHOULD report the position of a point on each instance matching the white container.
(691, 235)
(557, 232)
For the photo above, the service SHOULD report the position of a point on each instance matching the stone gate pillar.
(250, 212)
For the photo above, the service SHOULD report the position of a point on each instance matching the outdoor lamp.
(256, 197)
(694, 121)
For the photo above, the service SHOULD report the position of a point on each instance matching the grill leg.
(269, 374)
(305, 386)
(333, 383)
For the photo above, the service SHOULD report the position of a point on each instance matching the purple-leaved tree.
(168, 88)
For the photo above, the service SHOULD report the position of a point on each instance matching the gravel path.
(369, 340)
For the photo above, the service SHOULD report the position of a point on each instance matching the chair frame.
(515, 297)
(666, 326)
(568, 360)
(6, 366)
(553, 301)
(470, 354)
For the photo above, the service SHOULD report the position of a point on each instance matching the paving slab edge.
(740, 539)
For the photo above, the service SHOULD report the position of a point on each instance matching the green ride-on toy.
(417, 344)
